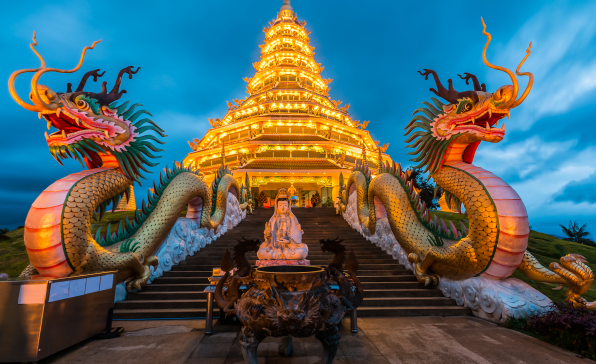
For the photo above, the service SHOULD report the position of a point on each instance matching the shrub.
(570, 328)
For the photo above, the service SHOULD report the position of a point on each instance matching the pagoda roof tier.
(291, 164)
(290, 138)
(287, 121)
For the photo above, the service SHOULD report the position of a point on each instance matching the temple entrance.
(300, 195)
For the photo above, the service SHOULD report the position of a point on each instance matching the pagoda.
(287, 132)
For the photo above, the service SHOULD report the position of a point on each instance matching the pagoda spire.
(287, 5)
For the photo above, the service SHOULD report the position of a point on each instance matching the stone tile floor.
(427, 340)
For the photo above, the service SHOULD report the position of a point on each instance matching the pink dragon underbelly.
(43, 230)
(512, 221)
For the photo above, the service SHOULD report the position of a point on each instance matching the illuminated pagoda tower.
(287, 132)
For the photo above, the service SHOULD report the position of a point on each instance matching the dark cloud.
(195, 54)
(578, 191)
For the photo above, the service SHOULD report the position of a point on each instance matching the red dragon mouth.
(484, 122)
(74, 126)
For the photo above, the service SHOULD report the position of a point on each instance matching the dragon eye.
(82, 104)
(464, 106)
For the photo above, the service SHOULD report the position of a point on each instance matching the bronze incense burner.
(290, 301)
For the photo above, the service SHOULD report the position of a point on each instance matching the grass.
(547, 249)
(13, 255)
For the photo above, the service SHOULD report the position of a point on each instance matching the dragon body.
(445, 136)
(112, 141)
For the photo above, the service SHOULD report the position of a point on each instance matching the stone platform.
(429, 340)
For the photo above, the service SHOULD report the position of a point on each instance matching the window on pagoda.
(265, 154)
(281, 154)
(287, 78)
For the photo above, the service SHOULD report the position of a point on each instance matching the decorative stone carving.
(493, 300)
(186, 238)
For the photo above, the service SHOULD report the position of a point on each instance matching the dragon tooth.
(473, 120)
(487, 126)
(503, 128)
(49, 124)
(58, 111)
(490, 113)
(77, 121)
(39, 115)
(452, 127)
(497, 124)
(47, 136)
(106, 133)
(508, 114)
(63, 134)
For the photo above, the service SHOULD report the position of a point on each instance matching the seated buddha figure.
(283, 234)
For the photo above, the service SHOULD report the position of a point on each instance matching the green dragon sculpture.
(112, 141)
(445, 136)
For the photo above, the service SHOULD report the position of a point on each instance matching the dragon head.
(468, 117)
(91, 128)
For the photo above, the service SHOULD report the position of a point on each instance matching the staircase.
(390, 288)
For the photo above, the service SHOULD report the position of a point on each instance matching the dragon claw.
(577, 275)
(423, 276)
(141, 280)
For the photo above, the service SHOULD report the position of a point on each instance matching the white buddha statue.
(283, 234)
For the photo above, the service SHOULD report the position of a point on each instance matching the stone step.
(391, 290)
(196, 295)
(410, 311)
(406, 301)
(187, 313)
(168, 279)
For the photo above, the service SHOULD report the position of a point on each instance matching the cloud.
(579, 191)
(563, 60)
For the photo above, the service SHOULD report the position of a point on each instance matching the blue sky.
(194, 54)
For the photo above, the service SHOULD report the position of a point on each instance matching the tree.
(575, 232)
(315, 199)
(262, 198)
(427, 189)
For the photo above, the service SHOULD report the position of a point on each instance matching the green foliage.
(3, 231)
(315, 199)
(575, 232)
(328, 203)
(565, 326)
(262, 198)
(13, 255)
(427, 189)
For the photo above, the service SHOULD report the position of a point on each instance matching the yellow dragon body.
(445, 137)
(113, 144)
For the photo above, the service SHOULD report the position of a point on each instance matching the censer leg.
(249, 343)
(286, 348)
(330, 340)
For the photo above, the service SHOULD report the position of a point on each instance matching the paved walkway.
(427, 340)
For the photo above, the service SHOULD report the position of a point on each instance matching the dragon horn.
(35, 92)
(95, 74)
(511, 75)
(14, 75)
(530, 78)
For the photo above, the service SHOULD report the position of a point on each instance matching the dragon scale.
(71, 203)
(498, 233)
(112, 141)
(444, 136)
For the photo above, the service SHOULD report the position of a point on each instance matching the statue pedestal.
(272, 262)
